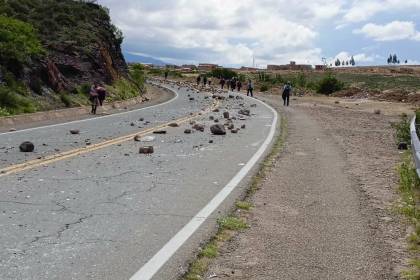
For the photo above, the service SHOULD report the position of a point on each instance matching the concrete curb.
(415, 145)
(12, 121)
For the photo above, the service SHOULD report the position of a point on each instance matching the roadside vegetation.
(409, 204)
(33, 42)
(329, 82)
(236, 221)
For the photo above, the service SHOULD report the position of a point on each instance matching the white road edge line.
(170, 248)
(96, 118)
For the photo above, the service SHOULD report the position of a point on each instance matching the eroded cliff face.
(81, 44)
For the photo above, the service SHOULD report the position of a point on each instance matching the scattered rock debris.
(146, 150)
(218, 129)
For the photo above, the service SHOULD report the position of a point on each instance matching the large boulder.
(218, 129)
(27, 147)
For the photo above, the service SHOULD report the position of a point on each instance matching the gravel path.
(321, 212)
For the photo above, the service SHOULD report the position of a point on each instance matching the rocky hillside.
(52, 50)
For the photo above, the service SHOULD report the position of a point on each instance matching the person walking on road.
(233, 84)
(198, 80)
(205, 81)
(101, 94)
(287, 90)
(209, 81)
(239, 85)
(93, 97)
(166, 74)
(250, 91)
(222, 82)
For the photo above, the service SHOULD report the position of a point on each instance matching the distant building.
(207, 66)
(291, 66)
(320, 67)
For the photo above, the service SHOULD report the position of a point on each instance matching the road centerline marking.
(30, 164)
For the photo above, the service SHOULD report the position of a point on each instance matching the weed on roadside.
(409, 206)
(243, 205)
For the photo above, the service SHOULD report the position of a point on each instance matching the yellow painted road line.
(30, 164)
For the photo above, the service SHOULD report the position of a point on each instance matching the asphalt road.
(102, 212)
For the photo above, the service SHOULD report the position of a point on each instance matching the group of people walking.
(206, 80)
(236, 84)
(97, 97)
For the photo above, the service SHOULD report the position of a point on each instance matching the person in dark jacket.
(239, 85)
(93, 97)
(198, 80)
(222, 82)
(287, 91)
(101, 94)
(250, 91)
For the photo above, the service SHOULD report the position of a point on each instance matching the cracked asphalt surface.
(104, 214)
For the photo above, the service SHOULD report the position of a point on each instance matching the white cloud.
(393, 31)
(225, 32)
(363, 10)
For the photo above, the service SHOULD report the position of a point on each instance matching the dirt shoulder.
(325, 211)
(154, 96)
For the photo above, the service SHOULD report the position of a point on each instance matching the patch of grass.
(122, 89)
(14, 102)
(243, 205)
(232, 223)
(65, 98)
(409, 206)
(210, 250)
(4, 112)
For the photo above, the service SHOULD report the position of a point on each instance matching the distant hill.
(129, 57)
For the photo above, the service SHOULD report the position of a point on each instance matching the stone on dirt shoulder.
(226, 115)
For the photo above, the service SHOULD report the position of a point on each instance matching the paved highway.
(89, 206)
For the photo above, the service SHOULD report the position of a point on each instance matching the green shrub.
(224, 73)
(4, 112)
(15, 103)
(18, 41)
(65, 98)
(300, 80)
(264, 88)
(402, 129)
(329, 84)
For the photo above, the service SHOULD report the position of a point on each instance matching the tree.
(347, 63)
(352, 62)
(390, 59)
(337, 62)
(406, 61)
(394, 59)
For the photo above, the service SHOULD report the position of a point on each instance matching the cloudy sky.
(232, 32)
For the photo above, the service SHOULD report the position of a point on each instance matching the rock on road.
(105, 213)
